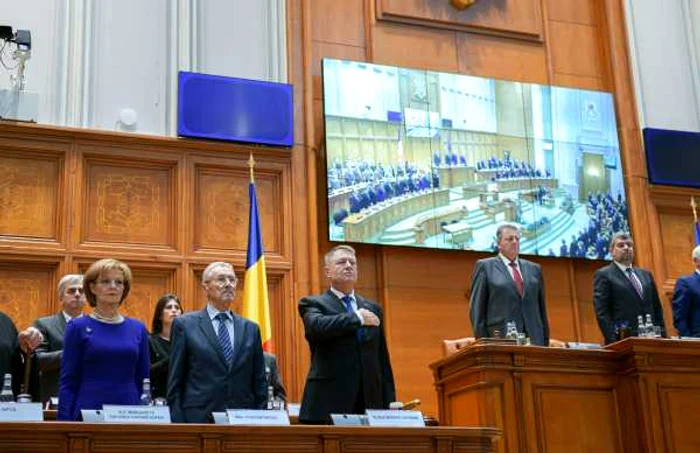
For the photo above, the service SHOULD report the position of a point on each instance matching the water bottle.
(641, 327)
(511, 331)
(146, 399)
(649, 326)
(6, 395)
(270, 398)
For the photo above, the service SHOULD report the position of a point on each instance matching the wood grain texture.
(123, 438)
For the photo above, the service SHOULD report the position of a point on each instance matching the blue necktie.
(360, 333)
(225, 338)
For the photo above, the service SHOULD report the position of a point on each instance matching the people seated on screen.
(686, 301)
(105, 355)
(168, 307)
(48, 354)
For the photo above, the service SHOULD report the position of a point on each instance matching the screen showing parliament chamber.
(439, 160)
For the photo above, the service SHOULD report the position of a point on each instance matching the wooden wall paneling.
(221, 206)
(488, 56)
(511, 18)
(588, 323)
(415, 47)
(338, 22)
(32, 197)
(28, 288)
(558, 296)
(129, 200)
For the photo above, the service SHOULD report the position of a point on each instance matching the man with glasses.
(216, 359)
(51, 328)
(622, 293)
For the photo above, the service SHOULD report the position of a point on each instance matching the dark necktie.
(225, 338)
(635, 281)
(360, 333)
(519, 285)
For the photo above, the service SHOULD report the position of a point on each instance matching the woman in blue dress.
(105, 355)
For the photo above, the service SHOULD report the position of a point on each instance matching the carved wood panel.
(30, 195)
(27, 290)
(131, 202)
(513, 18)
(222, 205)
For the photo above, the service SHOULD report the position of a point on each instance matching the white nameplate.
(378, 417)
(136, 414)
(220, 418)
(257, 417)
(21, 412)
(293, 409)
(91, 416)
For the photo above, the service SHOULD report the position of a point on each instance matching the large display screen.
(440, 160)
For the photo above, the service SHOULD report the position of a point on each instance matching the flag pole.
(251, 164)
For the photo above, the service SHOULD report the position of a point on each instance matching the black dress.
(160, 362)
(10, 355)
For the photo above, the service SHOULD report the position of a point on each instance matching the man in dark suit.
(216, 358)
(507, 288)
(47, 355)
(686, 301)
(621, 293)
(350, 366)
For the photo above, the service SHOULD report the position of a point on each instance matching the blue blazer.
(199, 382)
(686, 305)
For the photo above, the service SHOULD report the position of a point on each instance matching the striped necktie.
(225, 338)
(635, 281)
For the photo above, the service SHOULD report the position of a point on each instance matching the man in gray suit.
(48, 353)
(216, 358)
(507, 288)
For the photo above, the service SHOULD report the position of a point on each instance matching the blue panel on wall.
(228, 108)
(673, 157)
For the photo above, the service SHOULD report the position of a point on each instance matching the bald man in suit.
(507, 288)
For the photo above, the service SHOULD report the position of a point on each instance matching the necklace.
(116, 319)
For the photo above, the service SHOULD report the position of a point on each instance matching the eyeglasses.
(106, 282)
(222, 281)
(74, 291)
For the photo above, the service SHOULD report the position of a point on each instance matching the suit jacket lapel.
(501, 266)
(335, 302)
(628, 282)
(208, 329)
(238, 336)
(60, 323)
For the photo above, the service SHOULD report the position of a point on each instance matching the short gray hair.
(328, 257)
(505, 226)
(620, 235)
(213, 266)
(696, 252)
(68, 280)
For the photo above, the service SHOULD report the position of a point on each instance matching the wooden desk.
(638, 395)
(371, 222)
(52, 437)
(456, 176)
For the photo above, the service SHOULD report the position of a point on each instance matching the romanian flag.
(255, 301)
